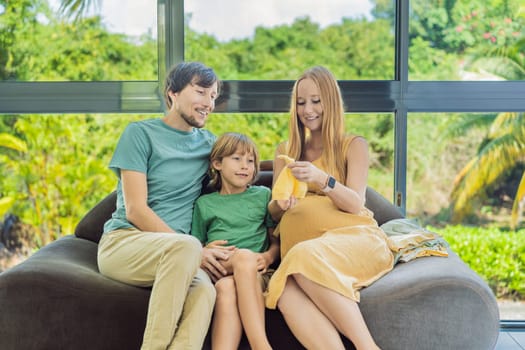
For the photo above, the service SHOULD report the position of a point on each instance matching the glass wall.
(277, 39)
(467, 40)
(408, 70)
(112, 42)
(463, 174)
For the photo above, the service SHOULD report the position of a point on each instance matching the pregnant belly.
(312, 217)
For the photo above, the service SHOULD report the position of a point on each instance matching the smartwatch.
(330, 184)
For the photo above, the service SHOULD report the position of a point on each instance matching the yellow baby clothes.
(286, 184)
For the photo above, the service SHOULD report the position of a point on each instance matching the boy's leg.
(250, 298)
(196, 315)
(226, 327)
(167, 262)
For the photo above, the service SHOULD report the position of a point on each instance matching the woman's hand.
(214, 255)
(307, 172)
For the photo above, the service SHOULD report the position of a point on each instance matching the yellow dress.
(341, 251)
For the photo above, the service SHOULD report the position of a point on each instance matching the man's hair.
(186, 73)
(226, 145)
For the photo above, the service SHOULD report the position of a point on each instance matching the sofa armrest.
(435, 302)
(92, 224)
(61, 299)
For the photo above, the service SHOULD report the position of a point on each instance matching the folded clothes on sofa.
(409, 240)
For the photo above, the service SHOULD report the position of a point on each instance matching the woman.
(331, 246)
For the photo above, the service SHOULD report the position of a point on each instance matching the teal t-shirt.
(175, 163)
(242, 219)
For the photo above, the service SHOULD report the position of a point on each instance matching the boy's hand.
(263, 262)
(286, 204)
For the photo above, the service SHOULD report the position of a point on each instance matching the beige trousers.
(182, 295)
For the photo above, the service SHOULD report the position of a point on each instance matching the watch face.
(331, 182)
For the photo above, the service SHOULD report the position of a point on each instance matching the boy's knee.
(225, 285)
(226, 293)
(244, 258)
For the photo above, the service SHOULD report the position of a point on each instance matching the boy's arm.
(271, 255)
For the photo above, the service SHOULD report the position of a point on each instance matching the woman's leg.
(308, 324)
(250, 298)
(226, 325)
(343, 312)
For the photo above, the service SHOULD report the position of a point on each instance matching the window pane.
(278, 39)
(470, 204)
(116, 41)
(466, 40)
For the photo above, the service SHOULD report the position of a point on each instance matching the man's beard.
(191, 121)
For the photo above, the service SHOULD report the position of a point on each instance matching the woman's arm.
(135, 190)
(350, 196)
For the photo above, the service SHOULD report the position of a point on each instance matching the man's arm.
(135, 189)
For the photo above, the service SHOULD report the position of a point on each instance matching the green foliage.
(283, 52)
(503, 148)
(497, 255)
(64, 171)
(265, 129)
(35, 45)
(17, 22)
(460, 26)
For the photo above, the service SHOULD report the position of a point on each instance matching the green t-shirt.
(242, 219)
(175, 163)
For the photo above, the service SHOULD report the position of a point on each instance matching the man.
(160, 164)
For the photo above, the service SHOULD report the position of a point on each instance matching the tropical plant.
(13, 144)
(77, 8)
(504, 145)
(502, 149)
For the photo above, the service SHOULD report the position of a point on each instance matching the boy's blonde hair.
(226, 145)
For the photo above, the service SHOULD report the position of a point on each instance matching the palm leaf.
(77, 8)
(509, 122)
(507, 68)
(12, 142)
(5, 204)
(460, 126)
(496, 157)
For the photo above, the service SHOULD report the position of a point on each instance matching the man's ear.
(216, 164)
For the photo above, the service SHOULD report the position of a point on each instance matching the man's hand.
(214, 256)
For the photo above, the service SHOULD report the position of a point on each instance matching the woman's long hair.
(333, 124)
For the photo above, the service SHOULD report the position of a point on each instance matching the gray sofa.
(57, 299)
